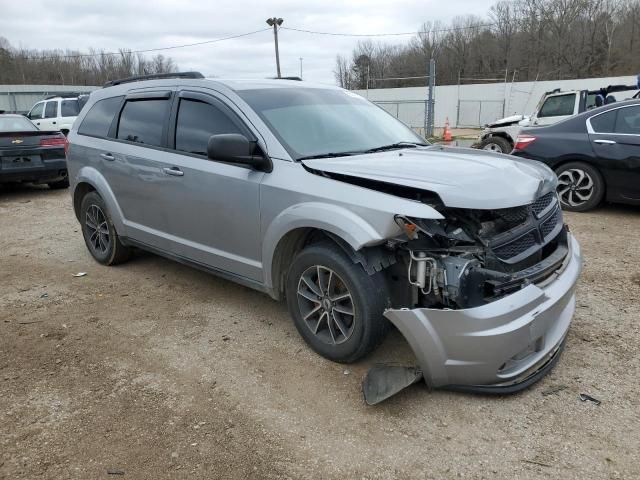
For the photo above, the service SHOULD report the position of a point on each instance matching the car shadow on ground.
(12, 191)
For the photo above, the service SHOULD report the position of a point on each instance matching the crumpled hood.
(462, 177)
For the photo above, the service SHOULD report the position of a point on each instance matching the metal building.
(20, 98)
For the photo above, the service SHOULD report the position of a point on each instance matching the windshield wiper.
(329, 155)
(393, 146)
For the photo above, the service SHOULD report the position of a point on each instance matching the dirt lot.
(154, 370)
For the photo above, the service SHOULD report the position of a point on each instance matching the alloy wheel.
(98, 229)
(493, 147)
(326, 305)
(575, 187)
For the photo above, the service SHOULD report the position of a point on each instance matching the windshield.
(315, 122)
(16, 124)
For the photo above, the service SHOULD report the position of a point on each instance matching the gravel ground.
(153, 370)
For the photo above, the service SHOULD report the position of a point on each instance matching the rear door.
(213, 208)
(615, 139)
(133, 164)
(50, 120)
(69, 109)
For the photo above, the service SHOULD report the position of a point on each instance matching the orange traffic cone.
(446, 135)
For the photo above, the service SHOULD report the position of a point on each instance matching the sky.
(109, 25)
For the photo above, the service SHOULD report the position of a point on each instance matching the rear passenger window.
(51, 110)
(628, 121)
(69, 108)
(97, 121)
(197, 121)
(141, 121)
(604, 122)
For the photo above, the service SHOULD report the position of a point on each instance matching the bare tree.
(52, 67)
(544, 39)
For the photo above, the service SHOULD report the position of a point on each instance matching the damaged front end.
(484, 297)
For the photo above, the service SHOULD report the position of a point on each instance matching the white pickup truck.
(554, 106)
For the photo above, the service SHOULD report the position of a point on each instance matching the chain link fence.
(409, 112)
(477, 113)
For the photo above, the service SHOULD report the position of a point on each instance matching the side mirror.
(236, 148)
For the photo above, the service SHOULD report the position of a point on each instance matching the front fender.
(94, 178)
(332, 218)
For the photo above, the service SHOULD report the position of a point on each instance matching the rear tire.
(98, 231)
(59, 185)
(580, 186)
(496, 145)
(336, 306)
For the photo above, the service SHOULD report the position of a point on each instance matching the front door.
(615, 139)
(35, 115)
(213, 208)
(556, 108)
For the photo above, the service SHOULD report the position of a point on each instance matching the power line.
(336, 34)
(81, 55)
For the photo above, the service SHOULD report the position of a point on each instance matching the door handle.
(605, 142)
(108, 157)
(175, 171)
(53, 123)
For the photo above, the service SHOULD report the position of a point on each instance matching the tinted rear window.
(628, 121)
(70, 108)
(16, 124)
(141, 121)
(604, 122)
(51, 109)
(98, 120)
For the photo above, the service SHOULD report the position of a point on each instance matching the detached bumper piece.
(501, 347)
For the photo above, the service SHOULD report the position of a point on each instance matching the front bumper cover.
(501, 347)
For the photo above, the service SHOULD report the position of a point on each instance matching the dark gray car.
(312, 194)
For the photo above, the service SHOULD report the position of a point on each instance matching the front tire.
(336, 306)
(580, 186)
(98, 231)
(496, 145)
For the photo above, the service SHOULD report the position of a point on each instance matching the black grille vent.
(515, 215)
(542, 203)
(512, 249)
(549, 225)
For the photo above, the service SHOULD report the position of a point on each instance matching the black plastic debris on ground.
(588, 398)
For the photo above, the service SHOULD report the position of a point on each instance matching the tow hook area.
(384, 381)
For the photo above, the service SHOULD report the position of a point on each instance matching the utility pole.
(430, 107)
(275, 23)
(300, 68)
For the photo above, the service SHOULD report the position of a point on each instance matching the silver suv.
(312, 194)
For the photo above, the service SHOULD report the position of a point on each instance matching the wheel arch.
(88, 180)
(301, 225)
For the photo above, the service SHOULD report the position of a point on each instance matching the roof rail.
(155, 76)
(287, 78)
(64, 95)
